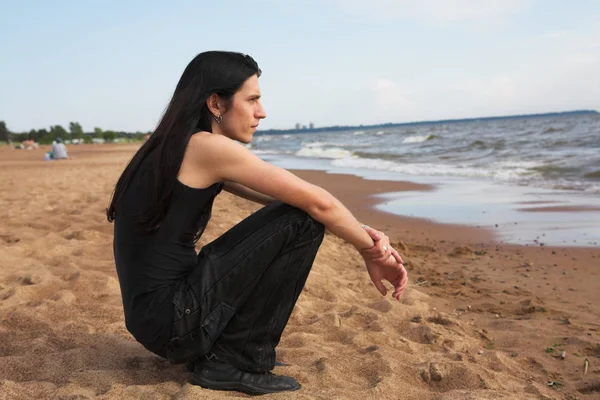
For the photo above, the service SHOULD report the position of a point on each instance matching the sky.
(114, 64)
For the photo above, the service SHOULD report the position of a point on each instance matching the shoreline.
(358, 194)
(369, 189)
(519, 215)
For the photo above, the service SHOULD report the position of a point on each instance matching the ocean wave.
(420, 138)
(511, 172)
(318, 144)
(482, 145)
(592, 189)
(496, 172)
(577, 186)
(555, 171)
(377, 156)
(593, 175)
(358, 133)
(256, 151)
(517, 164)
(319, 152)
(552, 129)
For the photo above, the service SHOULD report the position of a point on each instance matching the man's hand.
(392, 271)
(383, 262)
(381, 250)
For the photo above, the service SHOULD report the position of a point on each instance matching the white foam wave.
(429, 169)
(265, 151)
(517, 164)
(317, 144)
(318, 152)
(417, 139)
(358, 133)
(264, 138)
(593, 189)
(379, 133)
(576, 185)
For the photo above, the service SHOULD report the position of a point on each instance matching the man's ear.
(213, 104)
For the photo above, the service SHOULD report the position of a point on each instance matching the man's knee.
(316, 228)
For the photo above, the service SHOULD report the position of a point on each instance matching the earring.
(218, 118)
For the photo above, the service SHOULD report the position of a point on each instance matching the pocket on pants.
(216, 321)
(193, 339)
(186, 312)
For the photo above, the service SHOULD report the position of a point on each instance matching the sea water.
(485, 172)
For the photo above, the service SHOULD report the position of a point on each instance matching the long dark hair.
(212, 72)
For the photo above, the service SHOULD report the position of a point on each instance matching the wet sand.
(480, 320)
(559, 209)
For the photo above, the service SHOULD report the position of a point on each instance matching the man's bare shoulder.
(216, 149)
(210, 141)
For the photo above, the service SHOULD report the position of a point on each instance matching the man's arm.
(224, 160)
(247, 193)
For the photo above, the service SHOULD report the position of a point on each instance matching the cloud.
(434, 10)
(564, 81)
(495, 90)
(388, 96)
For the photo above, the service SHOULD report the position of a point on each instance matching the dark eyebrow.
(254, 97)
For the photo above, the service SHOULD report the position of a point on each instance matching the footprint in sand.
(331, 319)
(9, 239)
(375, 369)
(74, 235)
(374, 326)
(149, 362)
(383, 306)
(295, 340)
(360, 319)
(320, 365)
(441, 319)
(420, 333)
(320, 293)
(343, 335)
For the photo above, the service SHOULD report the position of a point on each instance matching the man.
(59, 150)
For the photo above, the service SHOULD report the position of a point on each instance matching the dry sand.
(480, 320)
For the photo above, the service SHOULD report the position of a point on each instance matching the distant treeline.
(443, 121)
(75, 132)
(47, 136)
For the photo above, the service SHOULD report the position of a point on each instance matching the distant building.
(311, 125)
(298, 125)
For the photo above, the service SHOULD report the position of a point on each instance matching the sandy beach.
(479, 320)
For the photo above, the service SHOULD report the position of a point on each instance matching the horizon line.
(454, 120)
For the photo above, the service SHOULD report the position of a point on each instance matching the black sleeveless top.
(151, 266)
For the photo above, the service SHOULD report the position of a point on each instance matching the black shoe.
(212, 373)
(190, 366)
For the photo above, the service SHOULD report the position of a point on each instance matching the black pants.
(238, 299)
